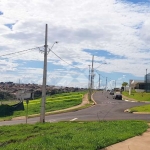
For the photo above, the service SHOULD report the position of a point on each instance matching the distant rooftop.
(137, 81)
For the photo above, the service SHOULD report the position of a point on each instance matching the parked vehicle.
(117, 95)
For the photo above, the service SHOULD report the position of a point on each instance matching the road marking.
(52, 120)
(109, 102)
(129, 101)
(74, 119)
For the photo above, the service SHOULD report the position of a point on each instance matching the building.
(137, 84)
(147, 82)
(141, 85)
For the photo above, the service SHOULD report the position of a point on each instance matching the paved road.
(106, 109)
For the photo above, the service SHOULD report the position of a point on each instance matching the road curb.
(93, 99)
(141, 113)
(129, 111)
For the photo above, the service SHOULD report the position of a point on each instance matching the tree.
(124, 84)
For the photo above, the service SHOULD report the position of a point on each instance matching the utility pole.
(115, 83)
(99, 81)
(89, 84)
(146, 81)
(42, 115)
(106, 83)
(89, 77)
(92, 73)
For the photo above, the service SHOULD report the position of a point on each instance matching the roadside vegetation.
(68, 135)
(143, 96)
(54, 102)
(144, 108)
(140, 97)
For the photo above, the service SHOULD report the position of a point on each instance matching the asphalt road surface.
(106, 108)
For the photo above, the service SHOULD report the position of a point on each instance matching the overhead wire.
(27, 50)
(70, 64)
(64, 60)
(17, 54)
(20, 51)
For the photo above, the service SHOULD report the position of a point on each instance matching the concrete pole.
(99, 81)
(42, 115)
(89, 76)
(146, 81)
(92, 73)
(129, 90)
(106, 83)
(91, 79)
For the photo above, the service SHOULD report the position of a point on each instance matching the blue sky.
(116, 32)
(137, 1)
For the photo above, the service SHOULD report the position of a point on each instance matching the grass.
(68, 135)
(55, 102)
(144, 108)
(137, 96)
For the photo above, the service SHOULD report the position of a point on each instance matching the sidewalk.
(136, 143)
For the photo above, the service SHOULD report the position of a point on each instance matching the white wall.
(21, 95)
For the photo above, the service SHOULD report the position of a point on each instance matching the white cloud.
(118, 27)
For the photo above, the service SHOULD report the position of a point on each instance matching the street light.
(52, 46)
(101, 64)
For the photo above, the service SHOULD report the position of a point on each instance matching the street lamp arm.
(100, 65)
(52, 46)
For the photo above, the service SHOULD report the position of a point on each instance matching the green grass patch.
(56, 102)
(138, 96)
(68, 135)
(144, 108)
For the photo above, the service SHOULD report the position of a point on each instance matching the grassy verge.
(137, 96)
(68, 135)
(56, 102)
(144, 108)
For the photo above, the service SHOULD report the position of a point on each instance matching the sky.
(115, 32)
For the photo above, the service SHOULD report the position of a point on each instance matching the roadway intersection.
(106, 108)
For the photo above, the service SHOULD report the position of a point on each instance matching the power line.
(64, 60)
(20, 51)
(73, 65)
(70, 64)
(13, 56)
